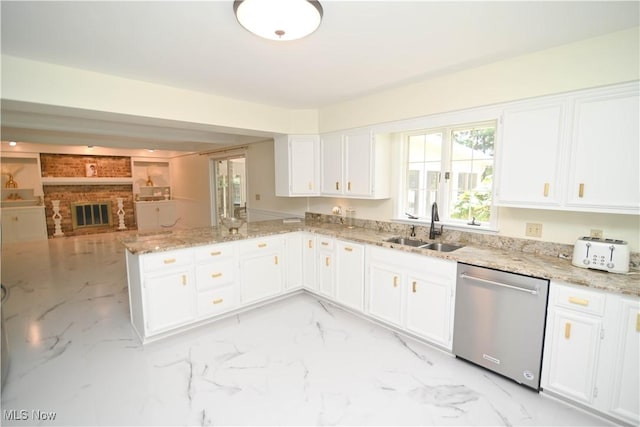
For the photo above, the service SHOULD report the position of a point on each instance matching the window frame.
(444, 190)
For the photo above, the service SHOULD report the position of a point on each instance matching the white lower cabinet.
(294, 265)
(155, 215)
(309, 261)
(414, 292)
(23, 224)
(261, 272)
(326, 271)
(591, 350)
(350, 274)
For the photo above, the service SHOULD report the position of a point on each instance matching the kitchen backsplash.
(466, 238)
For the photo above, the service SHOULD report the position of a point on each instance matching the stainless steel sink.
(441, 247)
(406, 241)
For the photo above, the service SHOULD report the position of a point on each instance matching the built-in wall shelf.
(86, 181)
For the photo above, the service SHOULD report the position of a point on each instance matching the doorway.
(230, 184)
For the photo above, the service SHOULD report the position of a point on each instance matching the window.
(453, 167)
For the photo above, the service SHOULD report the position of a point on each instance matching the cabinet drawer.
(214, 252)
(261, 245)
(169, 259)
(214, 274)
(582, 300)
(217, 301)
(325, 243)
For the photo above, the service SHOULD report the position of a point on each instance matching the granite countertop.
(544, 266)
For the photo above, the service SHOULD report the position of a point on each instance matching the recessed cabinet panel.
(350, 275)
(606, 149)
(23, 224)
(359, 163)
(385, 293)
(429, 309)
(297, 165)
(332, 164)
(170, 300)
(530, 151)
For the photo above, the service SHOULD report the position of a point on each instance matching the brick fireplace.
(86, 192)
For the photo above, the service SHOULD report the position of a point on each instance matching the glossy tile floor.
(73, 355)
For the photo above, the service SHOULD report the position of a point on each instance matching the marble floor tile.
(299, 361)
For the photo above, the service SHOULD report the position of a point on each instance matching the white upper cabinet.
(604, 173)
(575, 152)
(529, 155)
(297, 165)
(355, 165)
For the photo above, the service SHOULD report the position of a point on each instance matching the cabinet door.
(358, 164)
(350, 275)
(146, 216)
(304, 164)
(605, 152)
(23, 225)
(572, 354)
(309, 261)
(326, 272)
(625, 403)
(529, 151)
(261, 275)
(170, 300)
(429, 309)
(331, 164)
(385, 293)
(294, 261)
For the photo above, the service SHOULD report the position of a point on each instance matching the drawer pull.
(325, 243)
(546, 189)
(327, 261)
(348, 249)
(395, 281)
(184, 280)
(216, 253)
(275, 260)
(413, 287)
(638, 323)
(310, 185)
(169, 260)
(262, 245)
(337, 185)
(310, 244)
(349, 186)
(217, 301)
(581, 190)
(567, 330)
(579, 301)
(216, 275)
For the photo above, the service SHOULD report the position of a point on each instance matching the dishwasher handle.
(502, 285)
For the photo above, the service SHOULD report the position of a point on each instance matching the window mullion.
(445, 184)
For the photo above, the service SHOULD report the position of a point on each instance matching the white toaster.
(601, 254)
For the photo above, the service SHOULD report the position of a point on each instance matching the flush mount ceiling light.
(280, 20)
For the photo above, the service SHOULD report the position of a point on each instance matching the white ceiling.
(361, 46)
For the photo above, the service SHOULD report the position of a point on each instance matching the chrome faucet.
(433, 232)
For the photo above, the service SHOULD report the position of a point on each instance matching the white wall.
(191, 186)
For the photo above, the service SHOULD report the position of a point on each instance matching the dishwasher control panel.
(601, 254)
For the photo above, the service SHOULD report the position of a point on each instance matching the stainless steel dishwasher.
(499, 322)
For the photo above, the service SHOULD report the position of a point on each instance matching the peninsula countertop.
(544, 266)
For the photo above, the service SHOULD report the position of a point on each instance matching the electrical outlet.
(533, 230)
(257, 197)
(596, 233)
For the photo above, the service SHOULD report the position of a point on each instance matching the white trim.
(86, 181)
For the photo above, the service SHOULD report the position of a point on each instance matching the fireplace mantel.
(86, 181)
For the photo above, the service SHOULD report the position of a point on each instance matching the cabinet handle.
(337, 185)
(348, 249)
(217, 301)
(638, 323)
(349, 186)
(579, 301)
(184, 280)
(262, 245)
(169, 260)
(276, 260)
(310, 185)
(327, 261)
(546, 189)
(323, 243)
(395, 281)
(216, 275)
(157, 209)
(581, 190)
(413, 287)
(216, 253)
(567, 330)
(310, 244)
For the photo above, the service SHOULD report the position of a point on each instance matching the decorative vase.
(149, 182)
(11, 183)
